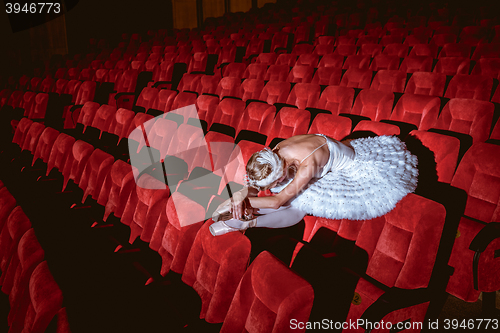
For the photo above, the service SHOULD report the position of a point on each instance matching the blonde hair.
(264, 168)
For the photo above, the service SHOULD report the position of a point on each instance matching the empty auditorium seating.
(336, 99)
(288, 122)
(419, 110)
(470, 86)
(304, 95)
(357, 78)
(374, 104)
(389, 80)
(424, 83)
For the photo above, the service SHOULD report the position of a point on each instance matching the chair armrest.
(483, 238)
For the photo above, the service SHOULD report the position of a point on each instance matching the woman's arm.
(305, 173)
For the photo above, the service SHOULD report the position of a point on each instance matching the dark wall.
(109, 19)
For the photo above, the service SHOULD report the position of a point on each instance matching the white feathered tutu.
(368, 184)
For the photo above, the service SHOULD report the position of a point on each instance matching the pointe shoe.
(222, 214)
(221, 228)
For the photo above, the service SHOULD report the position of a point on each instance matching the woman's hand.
(239, 203)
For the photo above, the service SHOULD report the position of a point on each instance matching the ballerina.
(313, 174)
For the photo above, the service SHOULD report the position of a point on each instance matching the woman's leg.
(283, 217)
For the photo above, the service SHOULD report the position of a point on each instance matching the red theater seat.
(327, 76)
(374, 104)
(336, 127)
(452, 65)
(289, 122)
(255, 71)
(336, 99)
(389, 80)
(271, 294)
(424, 83)
(416, 64)
(470, 86)
(275, 92)
(455, 50)
(357, 78)
(304, 95)
(419, 110)
(376, 127)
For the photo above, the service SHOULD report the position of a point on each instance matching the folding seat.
(254, 48)
(227, 118)
(423, 31)
(184, 57)
(4, 96)
(300, 74)
(376, 127)
(413, 40)
(277, 73)
(227, 54)
(473, 35)
(304, 95)
(444, 149)
(199, 63)
(335, 127)
(327, 76)
(21, 131)
(452, 65)
(345, 50)
(345, 40)
(486, 67)
(308, 59)
(14, 228)
(336, 99)
(137, 65)
(323, 49)
(32, 137)
(389, 80)
(427, 50)
(134, 142)
(45, 302)
(357, 78)
(207, 105)
(146, 99)
(331, 60)
(183, 99)
(399, 50)
(370, 40)
(473, 255)
(60, 73)
(44, 145)
(59, 154)
(455, 50)
(442, 39)
(86, 93)
(95, 171)
(73, 73)
(279, 41)
(28, 255)
(47, 85)
(419, 110)
(234, 69)
(125, 88)
(288, 122)
(274, 313)
(386, 40)
(228, 261)
(374, 104)
(470, 86)
(7, 204)
(101, 75)
(255, 71)
(39, 106)
(164, 100)
(424, 83)
(371, 50)
(189, 82)
(77, 159)
(208, 84)
(28, 101)
(286, 59)
(118, 129)
(257, 117)
(491, 50)
(101, 122)
(251, 89)
(357, 61)
(416, 64)
(275, 92)
(467, 116)
(325, 40)
(266, 58)
(151, 65)
(229, 86)
(379, 273)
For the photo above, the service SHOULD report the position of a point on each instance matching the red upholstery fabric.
(377, 128)
(266, 58)
(336, 99)
(255, 71)
(116, 189)
(416, 64)
(427, 50)
(370, 49)
(399, 50)
(164, 100)
(183, 99)
(214, 268)
(207, 105)
(229, 112)
(234, 69)
(452, 65)
(336, 127)
(301, 74)
(445, 149)
(199, 62)
(29, 255)
(31, 139)
(420, 110)
(77, 161)
(120, 123)
(470, 86)
(357, 61)
(45, 143)
(487, 67)
(478, 175)
(87, 114)
(331, 60)
(208, 84)
(28, 102)
(424, 83)
(94, 173)
(327, 76)
(229, 86)
(383, 61)
(389, 81)
(308, 59)
(103, 118)
(275, 92)
(251, 89)
(277, 73)
(455, 50)
(257, 117)
(189, 82)
(357, 78)
(467, 116)
(268, 297)
(304, 95)
(45, 297)
(345, 50)
(286, 59)
(374, 104)
(289, 122)
(60, 153)
(21, 131)
(7, 204)
(147, 97)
